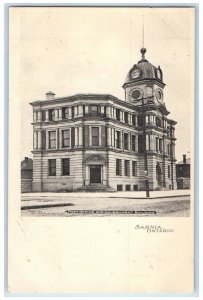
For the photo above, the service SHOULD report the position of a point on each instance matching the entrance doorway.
(159, 174)
(95, 174)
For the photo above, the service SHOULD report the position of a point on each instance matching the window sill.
(61, 148)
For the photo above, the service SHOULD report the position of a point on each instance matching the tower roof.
(144, 70)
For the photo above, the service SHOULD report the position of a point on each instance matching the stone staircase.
(95, 189)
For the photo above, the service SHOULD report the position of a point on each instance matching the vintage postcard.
(101, 150)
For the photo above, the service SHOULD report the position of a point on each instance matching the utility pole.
(144, 144)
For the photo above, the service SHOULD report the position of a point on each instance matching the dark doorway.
(95, 174)
(159, 174)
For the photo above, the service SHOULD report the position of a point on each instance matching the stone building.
(26, 175)
(183, 173)
(97, 141)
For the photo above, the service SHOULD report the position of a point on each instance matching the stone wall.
(183, 183)
(26, 185)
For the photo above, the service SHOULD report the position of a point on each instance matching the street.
(133, 204)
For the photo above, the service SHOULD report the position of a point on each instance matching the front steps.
(95, 188)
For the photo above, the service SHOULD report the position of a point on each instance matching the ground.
(160, 203)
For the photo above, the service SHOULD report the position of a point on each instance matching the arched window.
(158, 122)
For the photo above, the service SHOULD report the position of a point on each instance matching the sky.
(91, 50)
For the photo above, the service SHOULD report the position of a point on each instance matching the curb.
(45, 206)
(159, 197)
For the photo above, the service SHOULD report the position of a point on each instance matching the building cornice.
(75, 98)
(146, 80)
(85, 97)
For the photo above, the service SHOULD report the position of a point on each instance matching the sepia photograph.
(107, 111)
(101, 149)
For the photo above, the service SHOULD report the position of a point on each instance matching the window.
(133, 120)
(169, 172)
(94, 110)
(126, 117)
(76, 111)
(133, 143)
(134, 168)
(157, 144)
(127, 187)
(119, 187)
(147, 142)
(72, 137)
(118, 114)
(51, 115)
(160, 145)
(66, 138)
(140, 144)
(43, 115)
(65, 113)
(66, 166)
(168, 131)
(125, 141)
(72, 112)
(135, 187)
(158, 122)
(140, 121)
(52, 167)
(118, 167)
(118, 139)
(43, 139)
(104, 111)
(171, 151)
(95, 136)
(52, 139)
(126, 167)
(38, 115)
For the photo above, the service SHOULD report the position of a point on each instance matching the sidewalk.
(127, 194)
(81, 200)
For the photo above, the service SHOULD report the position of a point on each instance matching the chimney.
(26, 158)
(50, 95)
(184, 158)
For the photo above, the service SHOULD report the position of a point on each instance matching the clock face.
(159, 95)
(136, 94)
(135, 73)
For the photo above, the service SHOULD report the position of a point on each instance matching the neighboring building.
(26, 175)
(88, 141)
(183, 173)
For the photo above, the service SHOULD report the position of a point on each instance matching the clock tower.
(144, 80)
(144, 89)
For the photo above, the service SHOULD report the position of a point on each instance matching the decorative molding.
(95, 157)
